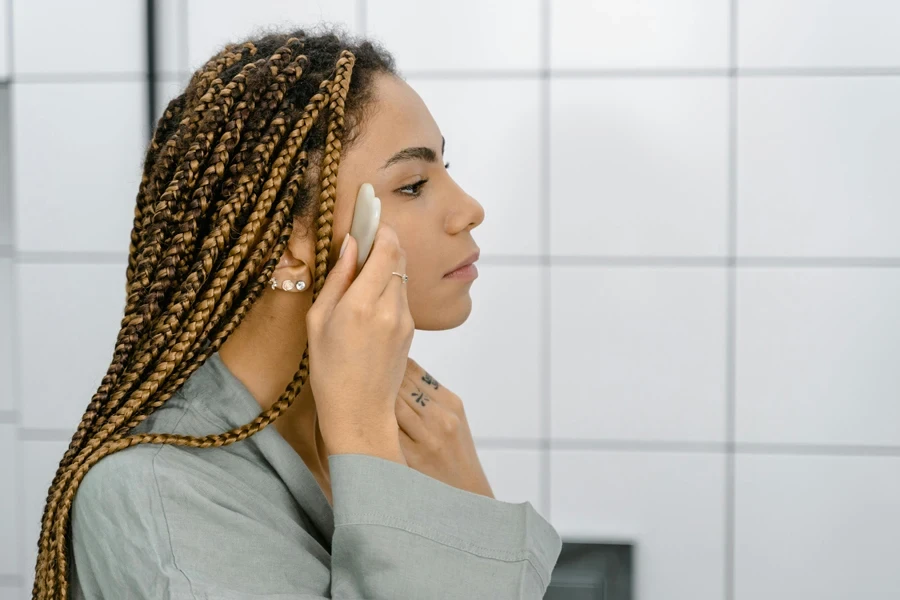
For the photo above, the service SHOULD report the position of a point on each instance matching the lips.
(467, 261)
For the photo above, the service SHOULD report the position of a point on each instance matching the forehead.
(397, 119)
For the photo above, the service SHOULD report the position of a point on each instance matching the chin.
(445, 316)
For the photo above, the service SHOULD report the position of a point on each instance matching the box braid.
(225, 175)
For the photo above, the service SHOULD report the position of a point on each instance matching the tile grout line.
(89, 257)
(539, 74)
(150, 47)
(35, 434)
(15, 329)
(546, 475)
(731, 306)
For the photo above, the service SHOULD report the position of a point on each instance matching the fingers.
(409, 420)
(396, 289)
(416, 373)
(375, 275)
(415, 395)
(338, 280)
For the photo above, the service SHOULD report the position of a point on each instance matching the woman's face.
(433, 216)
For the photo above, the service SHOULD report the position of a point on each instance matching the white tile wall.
(171, 37)
(5, 167)
(9, 502)
(211, 26)
(503, 35)
(76, 192)
(812, 33)
(671, 506)
(7, 401)
(615, 34)
(817, 166)
(69, 317)
(4, 40)
(817, 527)
(500, 384)
(620, 157)
(87, 37)
(476, 118)
(638, 353)
(818, 352)
(638, 166)
(514, 475)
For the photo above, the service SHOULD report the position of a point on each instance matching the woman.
(241, 286)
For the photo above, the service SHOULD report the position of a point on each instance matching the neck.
(264, 353)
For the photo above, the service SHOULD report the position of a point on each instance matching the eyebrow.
(416, 153)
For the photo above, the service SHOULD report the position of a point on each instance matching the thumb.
(338, 280)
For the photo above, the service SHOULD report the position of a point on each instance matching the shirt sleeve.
(401, 534)
(151, 523)
(146, 524)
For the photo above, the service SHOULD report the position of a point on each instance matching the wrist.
(381, 441)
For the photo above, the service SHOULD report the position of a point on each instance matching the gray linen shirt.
(249, 520)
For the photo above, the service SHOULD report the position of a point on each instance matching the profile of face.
(400, 152)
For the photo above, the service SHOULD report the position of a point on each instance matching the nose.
(466, 213)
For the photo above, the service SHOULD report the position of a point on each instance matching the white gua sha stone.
(366, 217)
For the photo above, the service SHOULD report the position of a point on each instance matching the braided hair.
(224, 178)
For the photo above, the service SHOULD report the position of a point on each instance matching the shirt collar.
(227, 400)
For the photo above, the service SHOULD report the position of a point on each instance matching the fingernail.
(344, 245)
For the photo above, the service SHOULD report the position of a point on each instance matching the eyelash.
(417, 186)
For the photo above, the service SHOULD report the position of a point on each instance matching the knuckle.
(388, 319)
(450, 424)
(361, 311)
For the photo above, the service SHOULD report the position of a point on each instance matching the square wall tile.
(465, 35)
(71, 333)
(657, 148)
(613, 34)
(812, 33)
(98, 36)
(6, 157)
(817, 166)
(77, 175)
(41, 460)
(7, 391)
(212, 24)
(493, 361)
(638, 353)
(514, 475)
(823, 527)
(478, 117)
(670, 506)
(817, 356)
(9, 502)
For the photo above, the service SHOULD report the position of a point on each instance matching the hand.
(434, 433)
(360, 332)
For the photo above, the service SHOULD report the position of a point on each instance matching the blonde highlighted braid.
(224, 177)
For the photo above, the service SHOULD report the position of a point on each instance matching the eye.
(415, 189)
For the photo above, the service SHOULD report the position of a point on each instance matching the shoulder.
(120, 495)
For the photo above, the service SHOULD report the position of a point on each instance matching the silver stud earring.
(288, 285)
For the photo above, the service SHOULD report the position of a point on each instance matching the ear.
(297, 263)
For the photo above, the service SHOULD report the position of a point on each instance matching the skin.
(434, 228)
